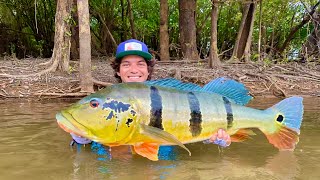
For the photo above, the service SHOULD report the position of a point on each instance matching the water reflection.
(284, 165)
(207, 163)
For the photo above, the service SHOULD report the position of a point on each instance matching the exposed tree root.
(52, 68)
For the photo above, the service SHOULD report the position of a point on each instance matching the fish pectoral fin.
(161, 136)
(242, 135)
(148, 150)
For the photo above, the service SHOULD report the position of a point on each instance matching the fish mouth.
(66, 122)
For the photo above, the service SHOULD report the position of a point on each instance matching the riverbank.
(280, 80)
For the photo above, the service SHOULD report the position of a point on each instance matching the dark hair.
(115, 64)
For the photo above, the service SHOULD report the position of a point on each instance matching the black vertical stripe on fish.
(196, 117)
(156, 108)
(227, 105)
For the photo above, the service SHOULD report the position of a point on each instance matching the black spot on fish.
(110, 115)
(196, 117)
(133, 112)
(156, 108)
(129, 121)
(116, 106)
(280, 118)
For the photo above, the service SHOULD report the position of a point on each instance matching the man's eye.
(124, 65)
(142, 64)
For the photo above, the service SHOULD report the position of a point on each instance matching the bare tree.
(244, 37)
(74, 53)
(86, 81)
(187, 28)
(62, 36)
(164, 35)
(133, 33)
(214, 60)
(260, 31)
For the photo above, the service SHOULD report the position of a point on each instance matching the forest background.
(276, 42)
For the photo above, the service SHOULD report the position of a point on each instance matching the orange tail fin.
(285, 139)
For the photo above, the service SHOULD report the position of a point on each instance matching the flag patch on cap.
(132, 46)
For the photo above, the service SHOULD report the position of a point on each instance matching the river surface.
(34, 147)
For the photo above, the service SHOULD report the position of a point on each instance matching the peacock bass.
(169, 112)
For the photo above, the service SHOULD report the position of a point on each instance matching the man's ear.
(118, 73)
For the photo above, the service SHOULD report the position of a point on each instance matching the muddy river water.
(32, 146)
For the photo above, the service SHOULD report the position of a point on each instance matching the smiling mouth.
(134, 77)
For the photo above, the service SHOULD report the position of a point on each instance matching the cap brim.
(146, 56)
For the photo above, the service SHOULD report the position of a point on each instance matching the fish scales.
(177, 114)
(147, 115)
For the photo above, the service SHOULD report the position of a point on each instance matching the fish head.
(109, 121)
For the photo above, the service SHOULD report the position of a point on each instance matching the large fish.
(169, 112)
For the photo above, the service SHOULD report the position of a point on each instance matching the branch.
(101, 83)
(305, 20)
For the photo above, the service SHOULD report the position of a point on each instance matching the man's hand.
(79, 139)
(220, 138)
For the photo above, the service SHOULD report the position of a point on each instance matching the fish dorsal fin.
(231, 89)
(174, 83)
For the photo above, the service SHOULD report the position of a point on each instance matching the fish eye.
(94, 103)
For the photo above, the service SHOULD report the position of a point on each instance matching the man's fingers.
(213, 137)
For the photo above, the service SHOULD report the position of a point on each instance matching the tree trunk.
(123, 32)
(74, 54)
(164, 35)
(243, 42)
(260, 32)
(187, 28)
(86, 82)
(133, 32)
(61, 50)
(214, 60)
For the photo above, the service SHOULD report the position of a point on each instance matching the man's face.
(133, 69)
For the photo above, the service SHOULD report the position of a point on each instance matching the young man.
(134, 63)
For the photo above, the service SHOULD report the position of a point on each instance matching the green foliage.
(30, 24)
(31, 28)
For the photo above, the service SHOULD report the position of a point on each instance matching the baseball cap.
(133, 47)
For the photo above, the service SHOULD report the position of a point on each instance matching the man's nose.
(134, 68)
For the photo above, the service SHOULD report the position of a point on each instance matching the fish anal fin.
(148, 150)
(242, 135)
(284, 139)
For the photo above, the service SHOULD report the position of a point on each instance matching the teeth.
(134, 77)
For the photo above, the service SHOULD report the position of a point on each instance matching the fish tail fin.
(286, 124)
